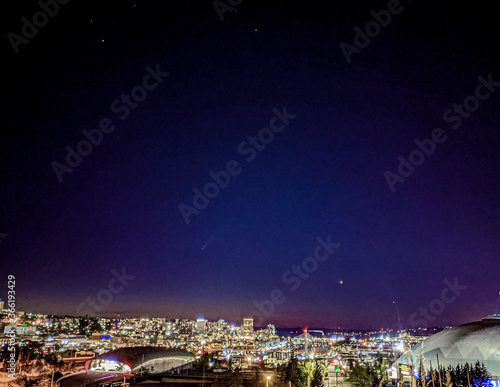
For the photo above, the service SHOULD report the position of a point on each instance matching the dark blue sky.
(322, 175)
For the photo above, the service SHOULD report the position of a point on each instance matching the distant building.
(247, 326)
(71, 340)
(201, 326)
(126, 363)
(20, 330)
(185, 326)
(1, 304)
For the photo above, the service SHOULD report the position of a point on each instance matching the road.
(333, 380)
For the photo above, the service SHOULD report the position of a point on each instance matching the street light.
(267, 381)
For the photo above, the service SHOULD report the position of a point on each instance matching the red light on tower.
(305, 330)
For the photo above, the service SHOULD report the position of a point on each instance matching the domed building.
(138, 360)
(129, 362)
(466, 343)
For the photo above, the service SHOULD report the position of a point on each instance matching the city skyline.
(197, 326)
(239, 322)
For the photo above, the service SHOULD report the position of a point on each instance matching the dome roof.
(466, 343)
(134, 356)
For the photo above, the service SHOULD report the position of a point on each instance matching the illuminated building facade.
(137, 360)
(247, 326)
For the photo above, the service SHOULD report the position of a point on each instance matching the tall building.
(1, 304)
(247, 326)
(185, 326)
(201, 325)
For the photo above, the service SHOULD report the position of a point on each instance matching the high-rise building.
(201, 325)
(1, 304)
(247, 326)
(185, 326)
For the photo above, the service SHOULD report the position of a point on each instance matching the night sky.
(322, 175)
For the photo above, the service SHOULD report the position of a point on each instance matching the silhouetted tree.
(317, 379)
(478, 374)
(360, 376)
(289, 372)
